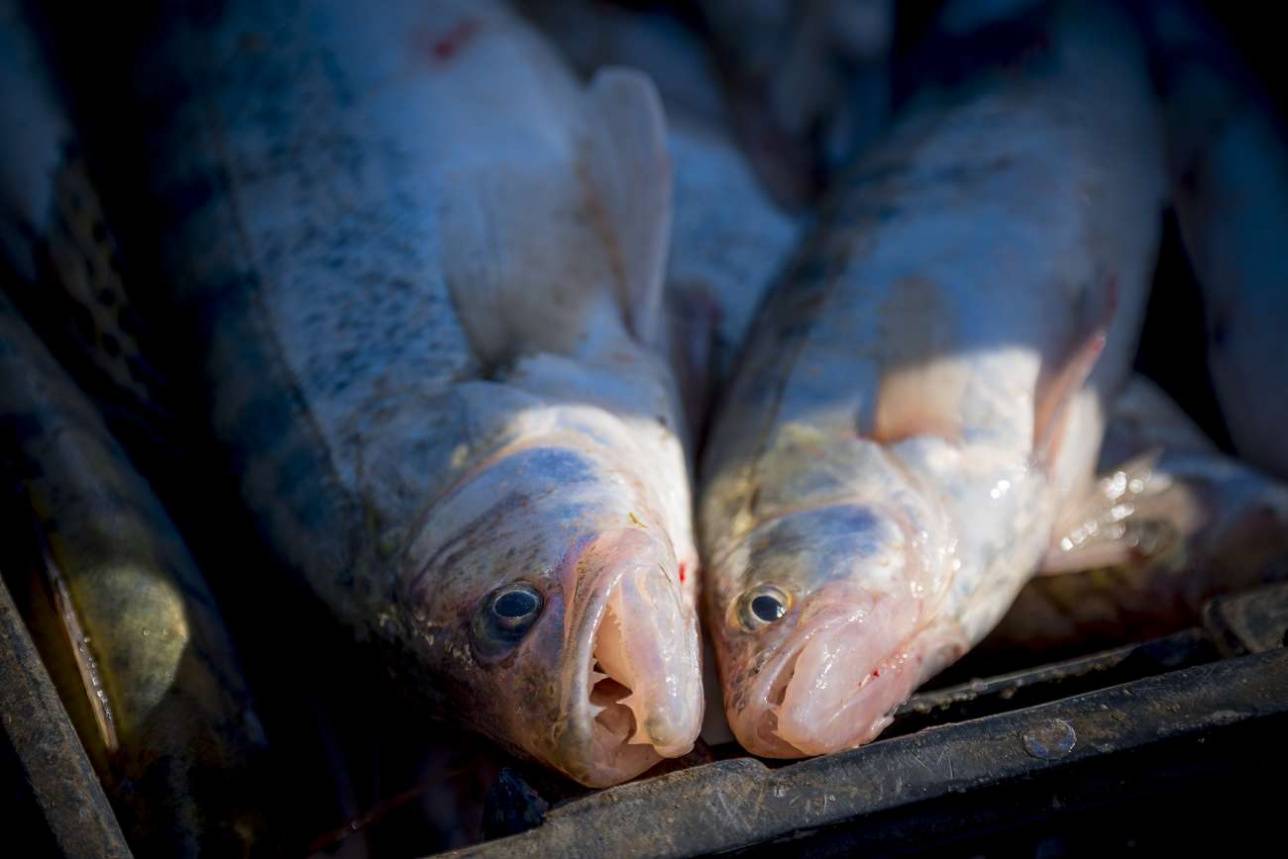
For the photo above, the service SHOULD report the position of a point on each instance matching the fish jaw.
(552, 520)
(833, 680)
(631, 670)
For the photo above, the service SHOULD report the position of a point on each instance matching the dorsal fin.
(630, 174)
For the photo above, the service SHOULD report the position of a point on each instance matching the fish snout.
(632, 673)
(834, 681)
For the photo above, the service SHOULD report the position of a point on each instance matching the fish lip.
(746, 723)
(573, 732)
(920, 653)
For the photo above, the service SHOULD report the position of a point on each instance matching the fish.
(47, 766)
(809, 84)
(729, 238)
(927, 385)
(423, 266)
(1228, 159)
(124, 619)
(1171, 522)
(67, 272)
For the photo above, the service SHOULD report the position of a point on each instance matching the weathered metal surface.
(1017, 689)
(730, 804)
(63, 785)
(1251, 622)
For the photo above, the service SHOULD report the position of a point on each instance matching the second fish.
(928, 386)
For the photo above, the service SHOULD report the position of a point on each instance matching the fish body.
(1171, 522)
(729, 244)
(124, 619)
(122, 614)
(64, 259)
(927, 386)
(1229, 169)
(729, 239)
(425, 264)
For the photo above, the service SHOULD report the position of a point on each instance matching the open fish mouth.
(832, 686)
(632, 674)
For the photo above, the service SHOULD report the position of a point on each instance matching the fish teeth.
(595, 677)
(638, 737)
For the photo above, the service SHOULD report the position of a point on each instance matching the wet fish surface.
(928, 386)
(425, 267)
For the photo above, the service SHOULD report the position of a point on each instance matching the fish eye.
(504, 618)
(763, 605)
(515, 605)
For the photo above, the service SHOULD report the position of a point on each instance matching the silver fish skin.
(927, 387)
(427, 266)
(729, 244)
(1229, 168)
(1171, 522)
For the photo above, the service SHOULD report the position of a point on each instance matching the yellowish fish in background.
(125, 622)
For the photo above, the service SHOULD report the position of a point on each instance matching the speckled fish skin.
(914, 403)
(428, 264)
(52, 229)
(1229, 164)
(1171, 522)
(124, 619)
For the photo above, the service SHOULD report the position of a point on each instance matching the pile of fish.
(604, 371)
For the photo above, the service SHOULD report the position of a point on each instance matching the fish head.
(821, 630)
(569, 634)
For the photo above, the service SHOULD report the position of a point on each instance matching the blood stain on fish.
(447, 46)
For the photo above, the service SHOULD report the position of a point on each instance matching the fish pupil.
(767, 608)
(515, 604)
